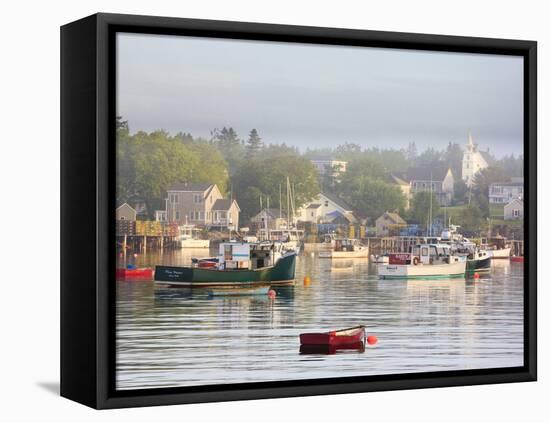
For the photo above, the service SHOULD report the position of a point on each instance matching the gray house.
(125, 212)
(514, 210)
(439, 180)
(200, 205)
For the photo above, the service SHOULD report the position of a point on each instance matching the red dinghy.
(141, 273)
(343, 337)
(517, 259)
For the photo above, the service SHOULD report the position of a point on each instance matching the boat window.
(424, 251)
(227, 252)
(433, 250)
(416, 251)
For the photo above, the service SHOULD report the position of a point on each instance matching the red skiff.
(141, 273)
(517, 259)
(341, 337)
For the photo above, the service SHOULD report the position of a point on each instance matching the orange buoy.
(307, 280)
(371, 339)
(476, 275)
(271, 293)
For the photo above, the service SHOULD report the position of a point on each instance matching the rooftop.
(189, 187)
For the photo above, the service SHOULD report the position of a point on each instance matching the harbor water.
(173, 337)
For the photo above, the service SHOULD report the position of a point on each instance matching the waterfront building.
(472, 162)
(271, 218)
(388, 222)
(125, 212)
(200, 205)
(325, 208)
(504, 192)
(514, 210)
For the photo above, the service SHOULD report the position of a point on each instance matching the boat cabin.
(188, 232)
(433, 254)
(346, 244)
(244, 255)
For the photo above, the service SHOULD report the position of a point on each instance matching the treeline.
(255, 173)
(248, 170)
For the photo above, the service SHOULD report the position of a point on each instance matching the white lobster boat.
(425, 261)
(346, 248)
(189, 238)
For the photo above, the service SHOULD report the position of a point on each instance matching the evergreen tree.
(254, 144)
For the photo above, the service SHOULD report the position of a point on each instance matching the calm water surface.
(170, 337)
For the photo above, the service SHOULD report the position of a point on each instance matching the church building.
(472, 162)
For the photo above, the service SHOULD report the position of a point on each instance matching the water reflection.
(183, 337)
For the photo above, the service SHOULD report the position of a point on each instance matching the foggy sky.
(320, 96)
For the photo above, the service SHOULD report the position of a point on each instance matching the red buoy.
(371, 339)
(271, 293)
(476, 275)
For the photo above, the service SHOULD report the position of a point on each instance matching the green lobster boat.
(239, 264)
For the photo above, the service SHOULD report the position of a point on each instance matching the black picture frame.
(88, 204)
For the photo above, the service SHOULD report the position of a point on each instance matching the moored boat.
(499, 247)
(189, 238)
(239, 264)
(346, 248)
(501, 253)
(134, 273)
(517, 259)
(336, 338)
(425, 261)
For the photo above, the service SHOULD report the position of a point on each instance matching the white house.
(514, 210)
(325, 208)
(504, 192)
(472, 162)
(326, 166)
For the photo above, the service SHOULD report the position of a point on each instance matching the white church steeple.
(472, 162)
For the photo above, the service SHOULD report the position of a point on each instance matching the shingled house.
(439, 180)
(200, 205)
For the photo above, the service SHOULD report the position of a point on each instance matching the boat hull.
(239, 291)
(503, 253)
(363, 253)
(333, 339)
(282, 273)
(194, 243)
(517, 259)
(478, 265)
(431, 271)
(143, 273)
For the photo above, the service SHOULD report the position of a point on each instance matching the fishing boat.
(346, 248)
(499, 248)
(188, 237)
(425, 261)
(145, 273)
(478, 261)
(478, 258)
(239, 290)
(335, 338)
(239, 264)
(290, 239)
